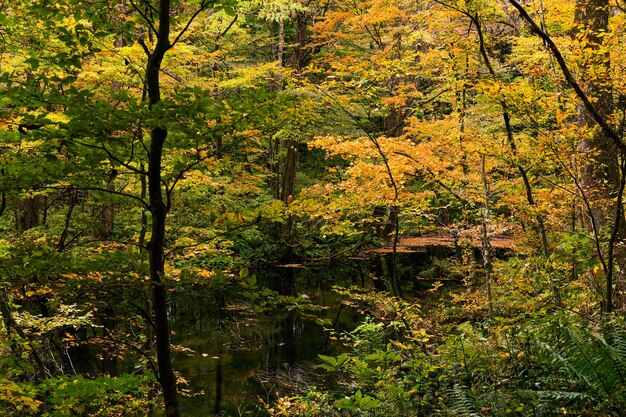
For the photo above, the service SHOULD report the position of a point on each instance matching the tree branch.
(203, 6)
(208, 239)
(371, 138)
(104, 190)
(113, 157)
(597, 117)
(144, 16)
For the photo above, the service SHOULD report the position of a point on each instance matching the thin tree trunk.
(158, 209)
(281, 42)
(108, 212)
(485, 244)
(283, 172)
(462, 98)
(619, 214)
(141, 241)
(68, 217)
(3, 203)
(540, 225)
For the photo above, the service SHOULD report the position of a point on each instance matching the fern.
(462, 403)
(617, 338)
(583, 371)
(595, 367)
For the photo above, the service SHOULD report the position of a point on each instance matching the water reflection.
(241, 357)
(229, 354)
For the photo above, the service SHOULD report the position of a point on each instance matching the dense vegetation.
(156, 147)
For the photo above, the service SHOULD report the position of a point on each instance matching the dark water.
(240, 357)
(233, 354)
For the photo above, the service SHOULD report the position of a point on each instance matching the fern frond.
(595, 364)
(462, 404)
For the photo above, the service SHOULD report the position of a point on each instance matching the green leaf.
(230, 11)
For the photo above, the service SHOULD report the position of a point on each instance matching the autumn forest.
(312, 208)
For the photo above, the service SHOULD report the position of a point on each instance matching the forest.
(312, 208)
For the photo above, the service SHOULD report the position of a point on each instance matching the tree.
(610, 138)
(100, 141)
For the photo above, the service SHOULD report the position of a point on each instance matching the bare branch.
(173, 76)
(104, 190)
(113, 157)
(144, 16)
(225, 31)
(145, 48)
(203, 6)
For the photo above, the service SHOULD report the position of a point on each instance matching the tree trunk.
(73, 200)
(485, 244)
(600, 173)
(158, 209)
(619, 214)
(301, 53)
(105, 228)
(288, 187)
(600, 169)
(284, 170)
(281, 42)
(28, 212)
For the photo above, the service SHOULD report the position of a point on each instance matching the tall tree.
(158, 210)
(600, 172)
(606, 145)
(159, 23)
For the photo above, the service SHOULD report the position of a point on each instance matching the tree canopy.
(154, 147)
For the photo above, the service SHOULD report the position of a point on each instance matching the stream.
(233, 356)
(238, 360)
